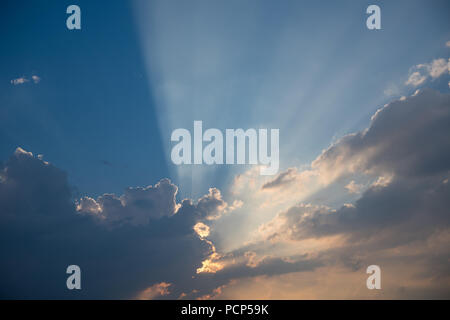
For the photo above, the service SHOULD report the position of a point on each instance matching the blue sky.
(309, 68)
(99, 104)
(91, 112)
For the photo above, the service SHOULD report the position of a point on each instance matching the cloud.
(212, 264)
(36, 79)
(144, 243)
(386, 216)
(416, 79)
(211, 206)
(401, 217)
(22, 80)
(438, 67)
(389, 145)
(142, 237)
(137, 206)
(140, 205)
(420, 73)
(353, 187)
(269, 266)
(407, 146)
(283, 178)
(201, 229)
(216, 292)
(407, 137)
(392, 90)
(154, 291)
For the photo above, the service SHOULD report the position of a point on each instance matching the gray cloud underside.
(127, 243)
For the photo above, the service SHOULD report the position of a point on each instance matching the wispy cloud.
(353, 187)
(421, 72)
(416, 79)
(22, 80)
(154, 291)
(36, 79)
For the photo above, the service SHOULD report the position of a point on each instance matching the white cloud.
(416, 79)
(438, 67)
(421, 72)
(20, 80)
(136, 206)
(35, 78)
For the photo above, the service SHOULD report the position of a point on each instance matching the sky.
(86, 175)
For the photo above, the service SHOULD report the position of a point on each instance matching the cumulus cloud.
(211, 206)
(153, 246)
(136, 206)
(405, 152)
(402, 139)
(407, 147)
(407, 137)
(122, 243)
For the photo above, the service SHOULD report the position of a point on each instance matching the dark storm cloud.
(42, 233)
